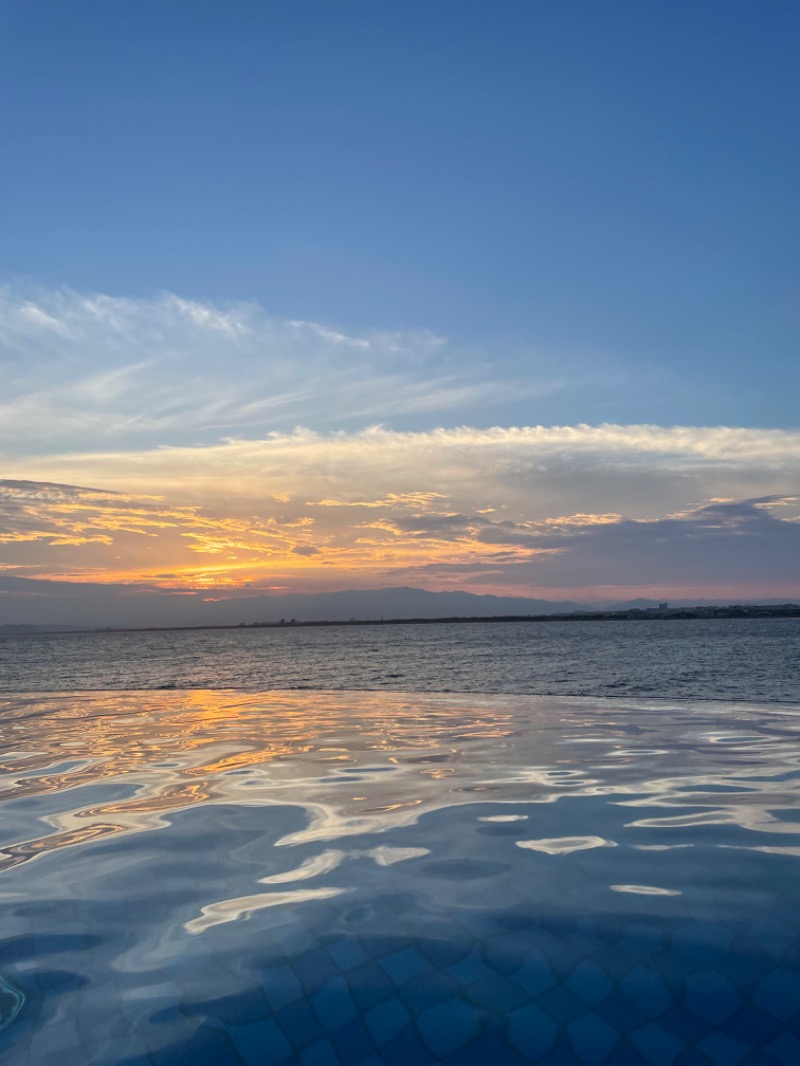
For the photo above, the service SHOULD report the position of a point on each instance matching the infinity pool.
(238, 880)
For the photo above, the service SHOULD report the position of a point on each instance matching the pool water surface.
(238, 879)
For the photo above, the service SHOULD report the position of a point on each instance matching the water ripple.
(175, 856)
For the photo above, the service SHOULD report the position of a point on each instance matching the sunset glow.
(500, 324)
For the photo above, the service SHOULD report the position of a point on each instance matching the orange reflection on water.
(170, 751)
(363, 763)
(14, 854)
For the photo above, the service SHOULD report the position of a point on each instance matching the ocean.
(464, 844)
(756, 659)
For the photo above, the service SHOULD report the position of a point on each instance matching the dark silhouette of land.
(628, 614)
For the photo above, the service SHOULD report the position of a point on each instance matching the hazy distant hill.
(10, 629)
(87, 606)
(99, 607)
(386, 603)
(698, 601)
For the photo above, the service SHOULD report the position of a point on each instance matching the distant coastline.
(633, 614)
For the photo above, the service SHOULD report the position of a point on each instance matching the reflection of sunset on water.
(191, 852)
(355, 763)
(170, 751)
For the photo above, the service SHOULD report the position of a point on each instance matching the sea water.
(220, 878)
(750, 659)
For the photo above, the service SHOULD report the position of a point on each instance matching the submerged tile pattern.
(486, 984)
(463, 945)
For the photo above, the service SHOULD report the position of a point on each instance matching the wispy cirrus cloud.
(113, 370)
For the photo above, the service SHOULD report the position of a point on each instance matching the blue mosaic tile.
(494, 993)
(531, 1031)
(785, 1049)
(711, 996)
(282, 987)
(641, 940)
(428, 989)
(485, 1051)
(446, 1027)
(385, 1021)
(334, 1005)
(300, 1024)
(261, 1043)
(558, 923)
(535, 974)
(683, 1024)
(647, 991)
(292, 938)
(656, 1045)
(691, 1057)
(591, 1038)
(704, 942)
(445, 951)
(322, 1053)
(347, 953)
(562, 1005)
(584, 943)
(768, 935)
(468, 969)
(560, 1053)
(406, 1048)
(493, 1025)
(313, 969)
(753, 1026)
(561, 953)
(615, 961)
(403, 965)
(621, 1014)
(779, 994)
(514, 920)
(205, 1047)
(238, 1009)
(369, 985)
(723, 1050)
(353, 1042)
(624, 1054)
(480, 922)
(380, 945)
(589, 983)
(744, 970)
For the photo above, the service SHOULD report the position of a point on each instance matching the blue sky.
(222, 222)
(610, 184)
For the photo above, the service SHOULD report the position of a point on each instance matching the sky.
(475, 294)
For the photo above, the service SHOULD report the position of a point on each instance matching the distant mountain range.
(351, 604)
(10, 628)
(361, 604)
(371, 604)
